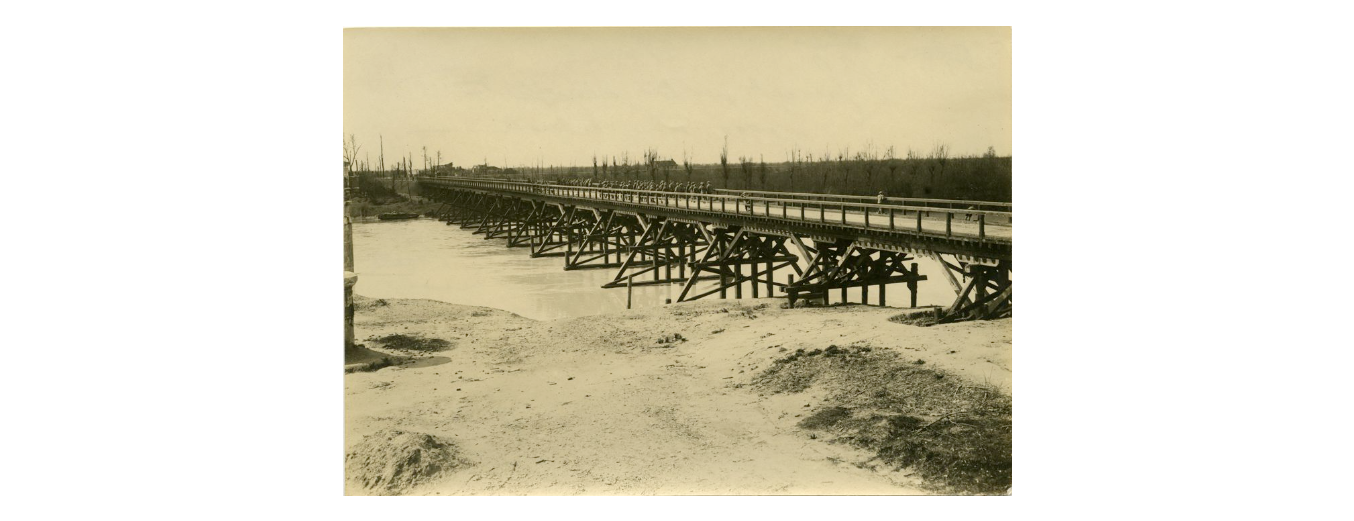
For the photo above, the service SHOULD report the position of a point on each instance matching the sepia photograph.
(677, 261)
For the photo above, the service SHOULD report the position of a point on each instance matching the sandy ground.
(595, 405)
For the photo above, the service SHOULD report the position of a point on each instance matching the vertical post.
(865, 294)
(891, 218)
(738, 279)
(681, 266)
(982, 275)
(754, 280)
(843, 294)
(629, 290)
(948, 217)
(882, 300)
(919, 221)
(770, 280)
(982, 226)
(912, 285)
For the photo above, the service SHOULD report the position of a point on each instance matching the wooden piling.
(770, 280)
(681, 267)
(629, 290)
(738, 282)
(912, 284)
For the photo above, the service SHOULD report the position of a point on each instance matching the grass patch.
(923, 318)
(955, 435)
(671, 339)
(825, 418)
(413, 343)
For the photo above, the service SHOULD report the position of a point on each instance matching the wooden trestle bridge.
(714, 243)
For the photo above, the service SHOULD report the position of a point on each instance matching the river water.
(425, 258)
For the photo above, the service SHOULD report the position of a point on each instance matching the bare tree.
(871, 159)
(350, 148)
(761, 171)
(724, 162)
(845, 168)
(825, 168)
(893, 166)
(686, 165)
(746, 164)
(651, 159)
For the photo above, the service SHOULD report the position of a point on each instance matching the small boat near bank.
(396, 216)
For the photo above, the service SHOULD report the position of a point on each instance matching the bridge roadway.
(918, 225)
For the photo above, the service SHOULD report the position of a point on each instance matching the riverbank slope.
(709, 397)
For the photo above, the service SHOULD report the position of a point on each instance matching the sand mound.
(390, 462)
(953, 433)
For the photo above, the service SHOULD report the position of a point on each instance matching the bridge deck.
(982, 232)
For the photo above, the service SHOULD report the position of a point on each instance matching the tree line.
(933, 174)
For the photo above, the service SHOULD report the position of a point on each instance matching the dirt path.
(595, 405)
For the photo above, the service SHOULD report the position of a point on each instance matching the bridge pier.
(764, 254)
(661, 243)
(845, 264)
(987, 293)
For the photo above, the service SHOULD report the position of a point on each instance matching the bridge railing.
(950, 222)
(953, 204)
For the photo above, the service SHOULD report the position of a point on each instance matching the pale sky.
(559, 95)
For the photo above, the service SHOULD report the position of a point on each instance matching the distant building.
(666, 163)
(441, 170)
(485, 169)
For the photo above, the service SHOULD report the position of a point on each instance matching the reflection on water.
(424, 258)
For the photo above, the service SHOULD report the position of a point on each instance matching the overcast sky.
(560, 95)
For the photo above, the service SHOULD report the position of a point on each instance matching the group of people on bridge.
(626, 184)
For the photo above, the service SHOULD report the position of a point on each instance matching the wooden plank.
(962, 299)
